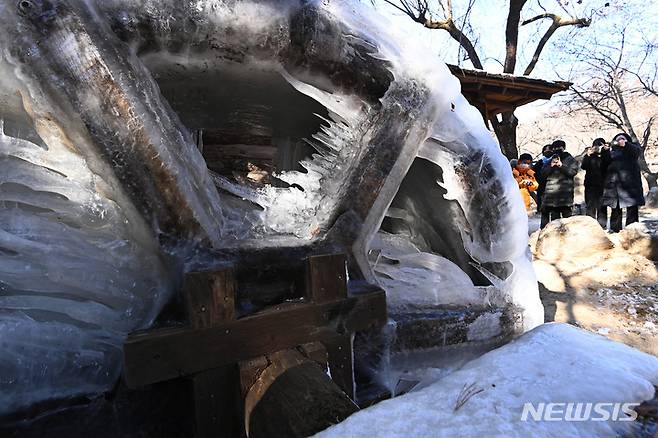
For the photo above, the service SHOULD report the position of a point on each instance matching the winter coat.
(527, 183)
(594, 170)
(558, 191)
(623, 184)
(537, 167)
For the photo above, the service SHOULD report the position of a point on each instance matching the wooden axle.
(264, 374)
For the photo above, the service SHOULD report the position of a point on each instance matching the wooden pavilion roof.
(494, 93)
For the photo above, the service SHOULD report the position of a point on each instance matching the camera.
(614, 143)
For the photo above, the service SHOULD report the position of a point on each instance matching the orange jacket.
(527, 183)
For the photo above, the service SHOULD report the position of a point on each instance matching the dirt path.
(627, 314)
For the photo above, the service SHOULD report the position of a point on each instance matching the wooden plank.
(250, 370)
(210, 301)
(243, 151)
(209, 297)
(164, 354)
(341, 362)
(316, 352)
(326, 278)
(216, 410)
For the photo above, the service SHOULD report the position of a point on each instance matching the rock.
(532, 241)
(576, 253)
(652, 198)
(574, 237)
(549, 276)
(641, 239)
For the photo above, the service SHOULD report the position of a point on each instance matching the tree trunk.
(505, 130)
(651, 177)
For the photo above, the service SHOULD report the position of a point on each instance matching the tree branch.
(539, 17)
(608, 117)
(457, 35)
(555, 25)
(418, 11)
(647, 132)
(619, 99)
(447, 8)
(512, 34)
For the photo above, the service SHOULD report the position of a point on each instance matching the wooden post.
(326, 278)
(327, 281)
(210, 301)
(341, 362)
(276, 359)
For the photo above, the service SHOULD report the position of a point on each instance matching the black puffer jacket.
(594, 170)
(623, 183)
(558, 191)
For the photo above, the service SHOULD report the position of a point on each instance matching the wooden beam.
(239, 151)
(164, 354)
(341, 362)
(209, 302)
(327, 278)
(209, 298)
(215, 409)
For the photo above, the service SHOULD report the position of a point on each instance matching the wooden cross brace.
(210, 349)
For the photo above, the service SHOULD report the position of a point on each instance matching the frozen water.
(77, 273)
(101, 176)
(411, 277)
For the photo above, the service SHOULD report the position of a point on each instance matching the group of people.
(612, 179)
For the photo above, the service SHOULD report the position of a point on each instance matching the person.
(622, 187)
(594, 176)
(544, 159)
(525, 177)
(557, 201)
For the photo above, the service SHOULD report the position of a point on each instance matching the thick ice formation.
(116, 181)
(77, 272)
(554, 363)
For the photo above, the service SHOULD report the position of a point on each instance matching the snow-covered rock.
(641, 239)
(554, 363)
(577, 253)
(579, 236)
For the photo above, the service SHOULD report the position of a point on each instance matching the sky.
(639, 18)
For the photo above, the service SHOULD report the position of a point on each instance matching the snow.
(552, 363)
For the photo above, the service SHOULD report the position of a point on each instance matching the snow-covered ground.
(554, 363)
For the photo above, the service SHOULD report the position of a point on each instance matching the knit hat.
(626, 136)
(559, 144)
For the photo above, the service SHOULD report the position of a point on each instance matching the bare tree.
(649, 80)
(611, 92)
(431, 17)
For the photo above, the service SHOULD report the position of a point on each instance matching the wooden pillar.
(276, 359)
(210, 301)
(327, 281)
